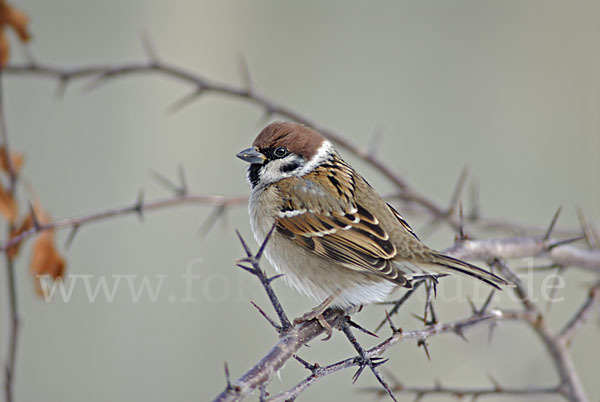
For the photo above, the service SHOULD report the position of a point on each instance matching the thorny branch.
(292, 338)
(139, 207)
(569, 386)
(101, 74)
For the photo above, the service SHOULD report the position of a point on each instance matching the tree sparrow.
(335, 239)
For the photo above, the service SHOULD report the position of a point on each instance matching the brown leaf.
(45, 259)
(25, 225)
(4, 48)
(16, 159)
(8, 205)
(18, 20)
(10, 16)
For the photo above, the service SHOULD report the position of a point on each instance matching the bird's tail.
(447, 264)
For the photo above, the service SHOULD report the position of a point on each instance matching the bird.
(334, 238)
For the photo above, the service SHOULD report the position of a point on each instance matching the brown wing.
(352, 238)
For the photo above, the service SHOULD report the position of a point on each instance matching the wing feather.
(353, 239)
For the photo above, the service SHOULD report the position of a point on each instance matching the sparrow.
(334, 237)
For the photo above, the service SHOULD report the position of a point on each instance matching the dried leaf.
(8, 205)
(16, 19)
(10, 16)
(16, 159)
(45, 259)
(25, 225)
(4, 48)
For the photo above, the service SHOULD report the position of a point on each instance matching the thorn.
(211, 219)
(307, 365)
(379, 361)
(266, 316)
(401, 301)
(185, 100)
(34, 218)
(71, 236)
(552, 223)
(475, 211)
(458, 331)
(264, 244)
(358, 372)
(423, 343)
(563, 242)
(418, 317)
(246, 268)
(227, 378)
(461, 223)
(431, 289)
(458, 189)
(363, 360)
(244, 245)
(366, 331)
(139, 205)
(487, 302)
(245, 73)
(183, 188)
(271, 279)
(590, 236)
(472, 305)
(149, 47)
(389, 320)
(168, 183)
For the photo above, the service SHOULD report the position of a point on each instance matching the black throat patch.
(253, 174)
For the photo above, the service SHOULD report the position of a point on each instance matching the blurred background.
(510, 90)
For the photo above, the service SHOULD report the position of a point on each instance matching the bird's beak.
(251, 155)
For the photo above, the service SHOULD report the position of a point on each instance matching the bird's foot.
(317, 314)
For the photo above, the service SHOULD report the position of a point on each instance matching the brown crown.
(297, 138)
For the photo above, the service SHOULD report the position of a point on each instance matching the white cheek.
(271, 173)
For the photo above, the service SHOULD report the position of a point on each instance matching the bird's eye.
(280, 152)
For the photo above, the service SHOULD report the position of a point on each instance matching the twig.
(256, 270)
(284, 350)
(526, 246)
(11, 359)
(136, 208)
(592, 301)
(363, 360)
(102, 73)
(378, 350)
(460, 393)
(398, 303)
(570, 385)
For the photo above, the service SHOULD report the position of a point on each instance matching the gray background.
(509, 89)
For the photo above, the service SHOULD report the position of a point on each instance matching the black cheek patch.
(290, 167)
